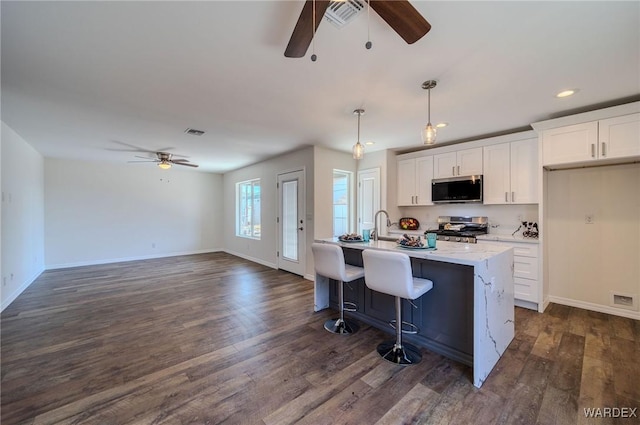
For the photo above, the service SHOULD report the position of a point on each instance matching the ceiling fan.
(165, 160)
(398, 14)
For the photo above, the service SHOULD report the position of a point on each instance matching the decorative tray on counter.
(424, 247)
(351, 237)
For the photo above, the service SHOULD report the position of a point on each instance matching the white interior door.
(291, 223)
(368, 197)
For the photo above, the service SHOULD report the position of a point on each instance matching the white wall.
(103, 212)
(326, 160)
(263, 251)
(588, 261)
(22, 215)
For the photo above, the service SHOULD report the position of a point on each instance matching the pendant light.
(358, 148)
(429, 132)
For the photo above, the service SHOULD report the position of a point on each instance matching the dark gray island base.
(467, 316)
(444, 315)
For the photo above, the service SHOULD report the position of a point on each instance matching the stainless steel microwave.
(457, 190)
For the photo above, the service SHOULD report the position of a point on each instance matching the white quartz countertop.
(507, 238)
(449, 252)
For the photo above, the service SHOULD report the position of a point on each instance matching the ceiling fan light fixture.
(358, 148)
(429, 132)
(164, 165)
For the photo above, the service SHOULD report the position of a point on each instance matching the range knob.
(446, 238)
(458, 239)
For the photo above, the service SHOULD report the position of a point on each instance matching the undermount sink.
(387, 238)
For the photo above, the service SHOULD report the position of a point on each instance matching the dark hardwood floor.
(212, 338)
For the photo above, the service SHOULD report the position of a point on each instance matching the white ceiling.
(94, 80)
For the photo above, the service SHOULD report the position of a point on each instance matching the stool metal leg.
(396, 352)
(340, 325)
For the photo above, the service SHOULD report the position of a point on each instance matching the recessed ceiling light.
(566, 93)
(442, 124)
(369, 143)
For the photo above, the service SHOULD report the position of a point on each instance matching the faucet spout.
(375, 232)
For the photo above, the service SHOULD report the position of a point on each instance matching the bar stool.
(390, 273)
(328, 261)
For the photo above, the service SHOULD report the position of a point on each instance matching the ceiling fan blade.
(403, 18)
(180, 160)
(184, 163)
(144, 161)
(303, 32)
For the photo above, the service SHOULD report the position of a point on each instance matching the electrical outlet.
(153, 244)
(588, 219)
(519, 218)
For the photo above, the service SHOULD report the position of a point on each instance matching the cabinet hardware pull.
(506, 197)
(416, 199)
(593, 150)
(458, 170)
(604, 149)
(453, 170)
(513, 197)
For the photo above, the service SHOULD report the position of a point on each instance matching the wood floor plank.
(214, 338)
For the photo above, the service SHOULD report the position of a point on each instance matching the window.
(341, 202)
(248, 209)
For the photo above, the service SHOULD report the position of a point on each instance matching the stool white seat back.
(328, 260)
(390, 273)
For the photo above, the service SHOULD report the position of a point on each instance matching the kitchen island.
(468, 316)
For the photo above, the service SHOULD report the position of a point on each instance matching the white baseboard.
(123, 259)
(11, 298)
(310, 277)
(255, 260)
(595, 307)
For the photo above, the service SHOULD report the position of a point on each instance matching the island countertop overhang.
(449, 252)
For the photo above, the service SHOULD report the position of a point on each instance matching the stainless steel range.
(460, 229)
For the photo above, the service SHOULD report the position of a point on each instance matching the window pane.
(248, 209)
(341, 202)
(290, 220)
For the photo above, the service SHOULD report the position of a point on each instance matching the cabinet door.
(573, 143)
(619, 137)
(406, 182)
(524, 172)
(469, 162)
(424, 174)
(496, 181)
(444, 165)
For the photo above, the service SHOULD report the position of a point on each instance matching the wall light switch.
(588, 219)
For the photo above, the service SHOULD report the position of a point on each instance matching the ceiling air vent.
(194, 132)
(340, 13)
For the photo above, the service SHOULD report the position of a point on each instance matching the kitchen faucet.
(374, 234)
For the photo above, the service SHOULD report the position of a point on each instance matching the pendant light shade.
(429, 131)
(358, 148)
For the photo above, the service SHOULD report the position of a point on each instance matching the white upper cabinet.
(461, 163)
(414, 181)
(610, 138)
(524, 171)
(619, 137)
(511, 173)
(496, 182)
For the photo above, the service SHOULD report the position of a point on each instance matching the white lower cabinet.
(525, 272)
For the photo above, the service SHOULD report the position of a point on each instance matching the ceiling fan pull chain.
(313, 40)
(368, 44)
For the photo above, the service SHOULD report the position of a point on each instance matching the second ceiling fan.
(400, 15)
